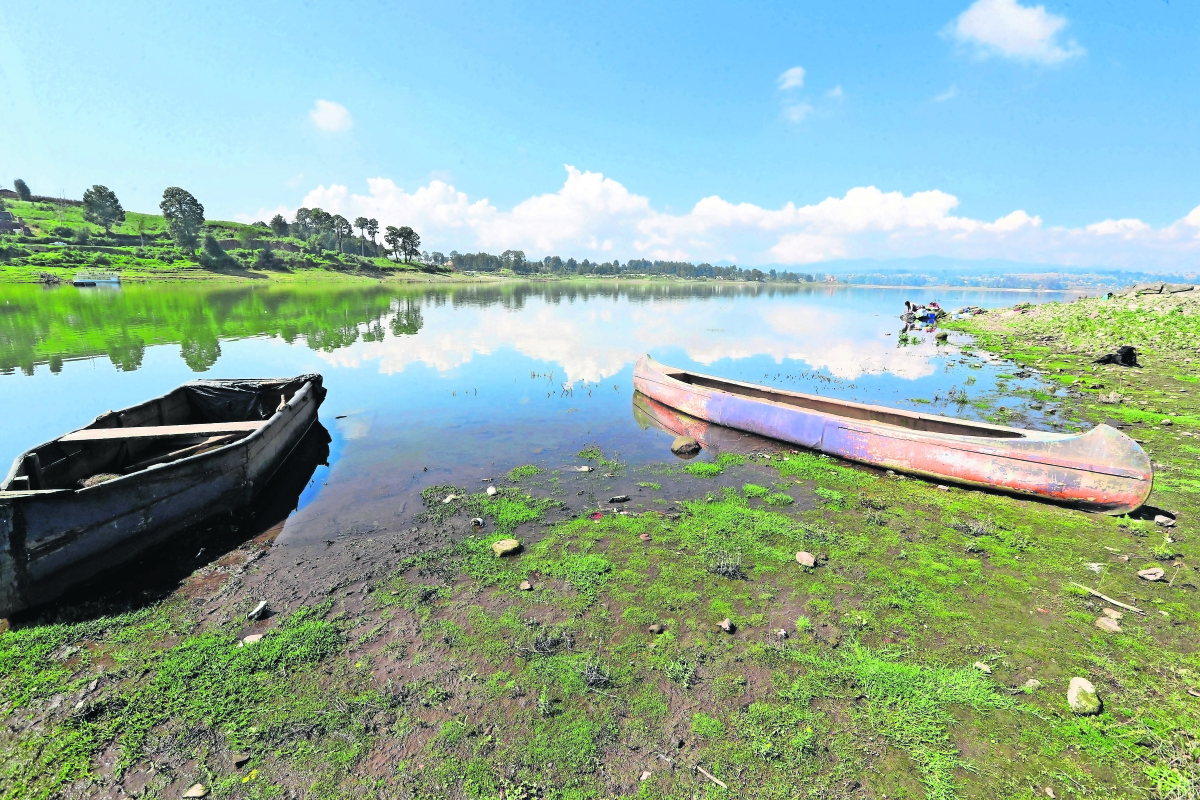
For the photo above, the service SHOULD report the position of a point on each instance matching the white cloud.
(1008, 29)
(949, 94)
(295, 180)
(796, 112)
(265, 214)
(792, 78)
(836, 93)
(596, 217)
(330, 116)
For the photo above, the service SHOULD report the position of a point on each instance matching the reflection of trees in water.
(39, 326)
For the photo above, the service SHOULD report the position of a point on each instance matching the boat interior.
(901, 419)
(193, 419)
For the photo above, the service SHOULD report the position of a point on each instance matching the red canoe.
(1101, 470)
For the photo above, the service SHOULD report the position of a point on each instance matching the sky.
(795, 134)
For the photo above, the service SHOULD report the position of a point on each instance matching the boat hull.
(1101, 470)
(52, 539)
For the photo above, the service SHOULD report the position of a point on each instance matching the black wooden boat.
(95, 497)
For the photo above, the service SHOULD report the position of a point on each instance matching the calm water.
(449, 385)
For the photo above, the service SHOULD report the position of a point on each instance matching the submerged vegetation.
(678, 649)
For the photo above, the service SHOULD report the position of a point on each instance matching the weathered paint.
(52, 539)
(1102, 470)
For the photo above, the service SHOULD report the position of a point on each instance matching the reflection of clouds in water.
(354, 427)
(591, 344)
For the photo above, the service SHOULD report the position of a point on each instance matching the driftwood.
(711, 777)
(1106, 598)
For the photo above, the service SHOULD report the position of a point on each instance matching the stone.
(1152, 574)
(656, 629)
(526, 586)
(1108, 624)
(450, 498)
(1032, 684)
(646, 775)
(645, 537)
(806, 559)
(727, 625)
(252, 638)
(240, 760)
(620, 498)
(1164, 521)
(942, 335)
(491, 490)
(1112, 613)
(1167, 421)
(477, 522)
(506, 547)
(685, 446)
(197, 790)
(943, 487)
(781, 634)
(1082, 697)
(982, 667)
(259, 611)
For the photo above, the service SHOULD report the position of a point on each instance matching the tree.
(372, 228)
(393, 237)
(410, 243)
(22, 188)
(320, 220)
(101, 207)
(361, 223)
(279, 225)
(303, 222)
(184, 216)
(341, 227)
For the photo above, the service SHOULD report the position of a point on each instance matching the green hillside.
(60, 242)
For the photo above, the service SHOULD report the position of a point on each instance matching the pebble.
(943, 487)
(526, 586)
(240, 759)
(645, 537)
(727, 625)
(620, 498)
(806, 559)
(646, 775)
(491, 490)
(252, 638)
(781, 634)
(506, 547)
(982, 667)
(259, 611)
(1164, 521)
(1167, 421)
(685, 446)
(1108, 624)
(197, 790)
(477, 522)
(584, 468)
(1152, 574)
(1112, 613)
(656, 629)
(1033, 684)
(1082, 697)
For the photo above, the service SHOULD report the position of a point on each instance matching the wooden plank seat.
(161, 431)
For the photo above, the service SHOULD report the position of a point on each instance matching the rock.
(252, 638)
(781, 634)
(526, 586)
(656, 629)
(477, 522)
(806, 559)
(1082, 698)
(491, 490)
(982, 667)
(1108, 624)
(685, 446)
(646, 775)
(1152, 574)
(645, 537)
(450, 498)
(943, 488)
(240, 759)
(727, 625)
(1175, 288)
(1148, 288)
(620, 498)
(942, 335)
(1032, 684)
(1167, 421)
(1164, 521)
(197, 790)
(506, 547)
(584, 468)
(1112, 613)
(259, 611)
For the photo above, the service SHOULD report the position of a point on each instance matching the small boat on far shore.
(1100, 470)
(95, 497)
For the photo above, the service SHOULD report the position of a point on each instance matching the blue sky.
(1061, 134)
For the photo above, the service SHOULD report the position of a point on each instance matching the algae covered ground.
(926, 654)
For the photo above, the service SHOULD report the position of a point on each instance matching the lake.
(433, 385)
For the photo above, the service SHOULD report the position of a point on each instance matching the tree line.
(516, 261)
